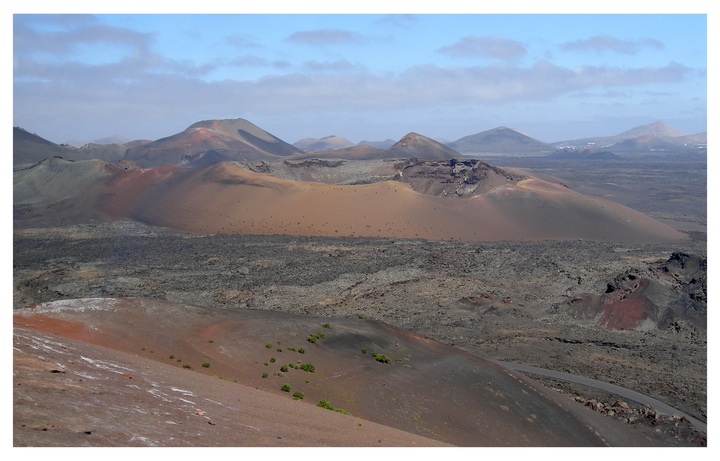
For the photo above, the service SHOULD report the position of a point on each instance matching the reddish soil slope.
(227, 198)
(183, 375)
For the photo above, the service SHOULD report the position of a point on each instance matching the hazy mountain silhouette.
(501, 140)
(656, 136)
(322, 144)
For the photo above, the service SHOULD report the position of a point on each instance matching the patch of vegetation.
(211, 341)
(325, 325)
(272, 359)
(382, 358)
(206, 365)
(265, 375)
(329, 406)
(361, 317)
(285, 388)
(279, 349)
(313, 338)
(301, 350)
(187, 366)
(309, 367)
(298, 395)
(284, 368)
(363, 350)
(268, 345)
(172, 357)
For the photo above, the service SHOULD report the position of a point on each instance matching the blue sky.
(361, 76)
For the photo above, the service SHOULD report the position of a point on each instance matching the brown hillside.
(381, 375)
(236, 139)
(489, 204)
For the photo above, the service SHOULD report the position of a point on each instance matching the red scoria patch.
(626, 314)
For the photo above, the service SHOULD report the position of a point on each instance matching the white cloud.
(487, 47)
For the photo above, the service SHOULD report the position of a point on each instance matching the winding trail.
(608, 387)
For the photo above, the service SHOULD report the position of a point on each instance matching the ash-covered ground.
(510, 301)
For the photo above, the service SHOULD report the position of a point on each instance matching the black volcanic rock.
(585, 154)
(235, 139)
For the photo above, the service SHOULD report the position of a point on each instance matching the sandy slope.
(136, 378)
(227, 198)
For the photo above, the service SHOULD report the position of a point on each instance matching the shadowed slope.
(367, 368)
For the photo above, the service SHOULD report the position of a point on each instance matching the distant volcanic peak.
(417, 145)
(656, 129)
(499, 140)
(235, 128)
(326, 143)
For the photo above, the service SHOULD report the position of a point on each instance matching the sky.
(556, 76)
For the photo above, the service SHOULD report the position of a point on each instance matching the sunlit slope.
(228, 199)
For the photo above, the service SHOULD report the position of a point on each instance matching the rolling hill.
(501, 140)
(234, 139)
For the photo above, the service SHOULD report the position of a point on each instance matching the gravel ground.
(501, 300)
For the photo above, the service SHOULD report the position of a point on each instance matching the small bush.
(172, 357)
(268, 345)
(363, 350)
(272, 359)
(265, 375)
(298, 395)
(329, 406)
(309, 367)
(284, 368)
(301, 350)
(187, 366)
(382, 358)
(326, 325)
(313, 338)
(206, 365)
(285, 388)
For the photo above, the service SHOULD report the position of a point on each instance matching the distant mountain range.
(322, 144)
(657, 136)
(214, 141)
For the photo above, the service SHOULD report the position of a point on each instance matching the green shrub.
(329, 406)
(301, 350)
(363, 350)
(285, 388)
(172, 357)
(325, 325)
(298, 395)
(272, 359)
(268, 345)
(382, 358)
(206, 365)
(309, 367)
(265, 375)
(284, 368)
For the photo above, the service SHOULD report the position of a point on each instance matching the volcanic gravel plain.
(115, 322)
